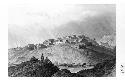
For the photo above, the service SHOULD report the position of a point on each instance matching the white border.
(4, 39)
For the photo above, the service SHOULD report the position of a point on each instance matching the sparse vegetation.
(63, 73)
(99, 70)
(45, 68)
(33, 68)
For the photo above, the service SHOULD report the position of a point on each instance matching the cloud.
(95, 26)
(35, 23)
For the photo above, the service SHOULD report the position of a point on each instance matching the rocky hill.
(74, 53)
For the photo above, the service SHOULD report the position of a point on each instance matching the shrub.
(63, 73)
(33, 68)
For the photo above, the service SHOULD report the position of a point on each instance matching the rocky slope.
(79, 51)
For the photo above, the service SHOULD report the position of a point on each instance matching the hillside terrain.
(74, 53)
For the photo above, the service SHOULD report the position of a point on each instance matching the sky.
(35, 23)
